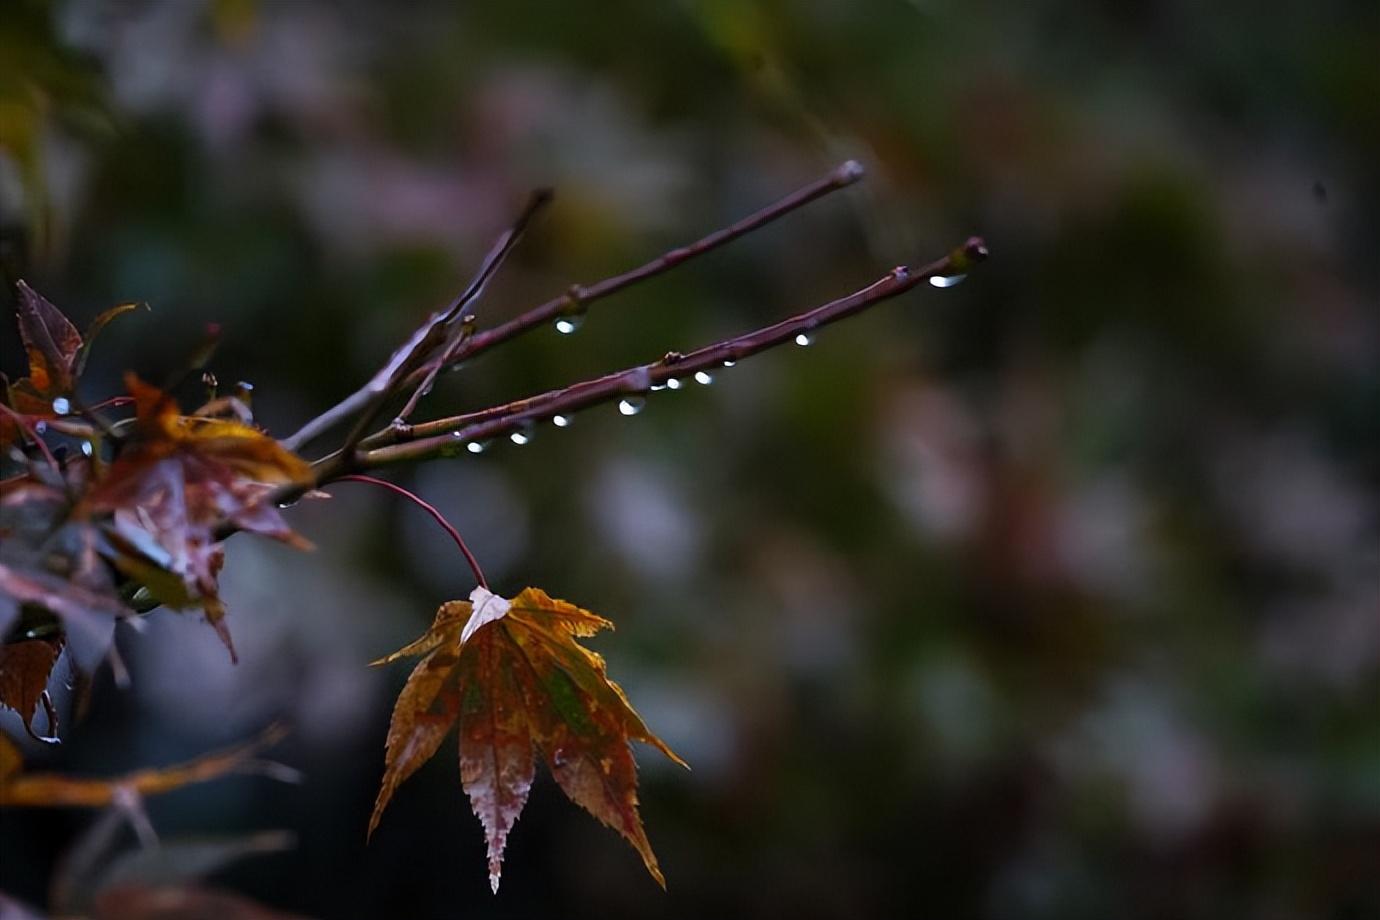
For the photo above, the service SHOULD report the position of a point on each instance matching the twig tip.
(849, 171)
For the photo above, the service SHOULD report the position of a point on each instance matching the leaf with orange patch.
(56, 353)
(50, 341)
(178, 481)
(512, 676)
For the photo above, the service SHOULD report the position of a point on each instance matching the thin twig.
(579, 297)
(448, 437)
(369, 398)
(429, 509)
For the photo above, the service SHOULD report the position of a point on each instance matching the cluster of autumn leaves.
(107, 518)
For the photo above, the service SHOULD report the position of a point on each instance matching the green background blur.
(1052, 595)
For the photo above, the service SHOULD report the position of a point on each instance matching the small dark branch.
(429, 509)
(441, 332)
(403, 366)
(581, 296)
(448, 437)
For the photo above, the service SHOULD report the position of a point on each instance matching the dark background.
(1051, 595)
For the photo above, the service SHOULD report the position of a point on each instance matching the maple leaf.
(57, 355)
(510, 673)
(88, 617)
(24, 671)
(51, 343)
(175, 485)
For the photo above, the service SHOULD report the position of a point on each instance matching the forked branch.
(450, 436)
(576, 300)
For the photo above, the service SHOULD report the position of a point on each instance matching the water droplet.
(631, 405)
(703, 378)
(40, 427)
(729, 363)
(521, 436)
(87, 449)
(947, 281)
(61, 405)
(673, 384)
(561, 421)
(569, 323)
(802, 340)
(657, 388)
(476, 447)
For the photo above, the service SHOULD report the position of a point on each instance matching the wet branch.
(575, 301)
(450, 436)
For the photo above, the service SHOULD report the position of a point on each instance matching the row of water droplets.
(569, 322)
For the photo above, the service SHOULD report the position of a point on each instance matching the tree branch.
(449, 436)
(403, 366)
(578, 299)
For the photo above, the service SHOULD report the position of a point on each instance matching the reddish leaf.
(512, 676)
(176, 484)
(50, 340)
(87, 616)
(24, 671)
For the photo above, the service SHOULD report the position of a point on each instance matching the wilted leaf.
(87, 616)
(513, 678)
(24, 671)
(50, 341)
(179, 481)
(57, 356)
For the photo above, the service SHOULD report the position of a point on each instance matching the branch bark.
(449, 436)
(575, 300)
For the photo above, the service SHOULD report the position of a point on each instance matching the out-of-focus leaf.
(512, 676)
(88, 616)
(134, 902)
(188, 860)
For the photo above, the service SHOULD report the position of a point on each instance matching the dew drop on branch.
(703, 378)
(522, 435)
(62, 405)
(673, 383)
(569, 323)
(946, 281)
(561, 421)
(802, 339)
(476, 447)
(729, 363)
(631, 405)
